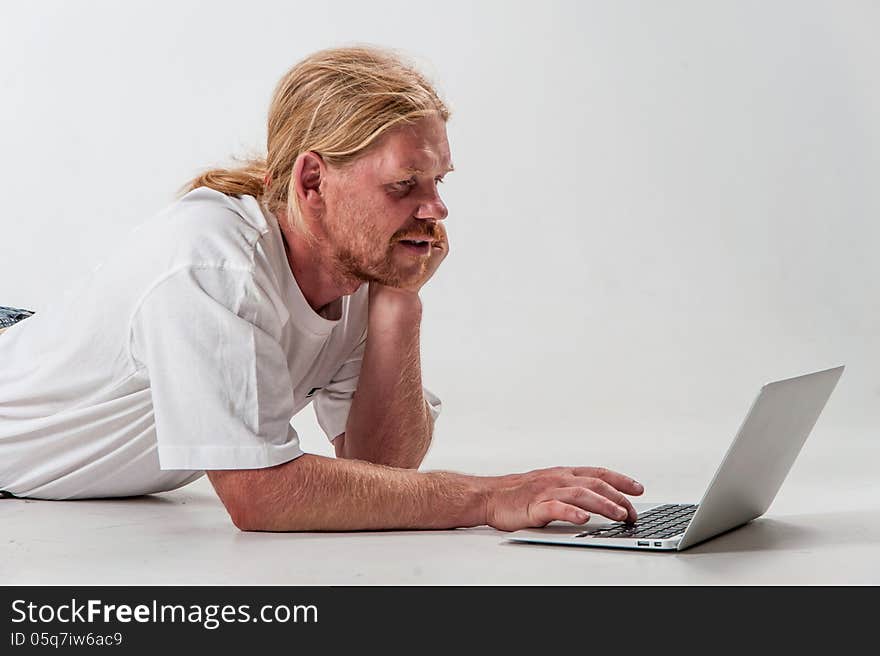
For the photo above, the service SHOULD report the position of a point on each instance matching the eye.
(406, 185)
(403, 185)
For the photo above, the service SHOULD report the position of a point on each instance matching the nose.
(432, 208)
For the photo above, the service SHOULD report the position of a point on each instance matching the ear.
(309, 171)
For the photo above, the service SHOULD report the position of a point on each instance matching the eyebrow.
(417, 171)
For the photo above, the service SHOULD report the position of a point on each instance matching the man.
(189, 350)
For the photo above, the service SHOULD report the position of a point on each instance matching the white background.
(657, 207)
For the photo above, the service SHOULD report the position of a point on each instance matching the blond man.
(291, 280)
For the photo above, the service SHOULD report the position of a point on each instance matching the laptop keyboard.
(656, 523)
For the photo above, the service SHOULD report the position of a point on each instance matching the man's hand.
(536, 498)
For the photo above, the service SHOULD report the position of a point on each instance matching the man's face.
(387, 196)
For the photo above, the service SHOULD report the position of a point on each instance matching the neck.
(316, 273)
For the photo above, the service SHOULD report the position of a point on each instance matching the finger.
(590, 501)
(544, 512)
(620, 481)
(609, 491)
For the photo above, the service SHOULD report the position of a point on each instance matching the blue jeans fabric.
(8, 317)
(12, 315)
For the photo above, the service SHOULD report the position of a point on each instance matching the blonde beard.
(349, 261)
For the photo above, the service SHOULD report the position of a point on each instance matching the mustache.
(433, 233)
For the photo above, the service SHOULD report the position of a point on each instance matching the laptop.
(746, 482)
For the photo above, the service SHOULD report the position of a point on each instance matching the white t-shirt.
(190, 348)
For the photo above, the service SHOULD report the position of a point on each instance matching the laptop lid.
(761, 455)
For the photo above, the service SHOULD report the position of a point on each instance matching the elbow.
(418, 462)
(412, 460)
(243, 519)
(253, 501)
(250, 518)
(236, 492)
(339, 445)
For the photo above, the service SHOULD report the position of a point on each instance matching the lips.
(417, 247)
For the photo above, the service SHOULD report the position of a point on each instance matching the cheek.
(372, 225)
(386, 220)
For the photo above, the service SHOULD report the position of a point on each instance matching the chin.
(392, 274)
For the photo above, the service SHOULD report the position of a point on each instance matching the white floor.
(823, 528)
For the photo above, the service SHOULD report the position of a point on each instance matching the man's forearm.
(315, 493)
(389, 422)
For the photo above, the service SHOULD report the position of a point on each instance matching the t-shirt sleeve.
(221, 390)
(333, 402)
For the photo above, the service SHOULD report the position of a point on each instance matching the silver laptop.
(757, 462)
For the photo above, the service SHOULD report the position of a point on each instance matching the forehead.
(420, 148)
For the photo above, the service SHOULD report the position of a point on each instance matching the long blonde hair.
(335, 102)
